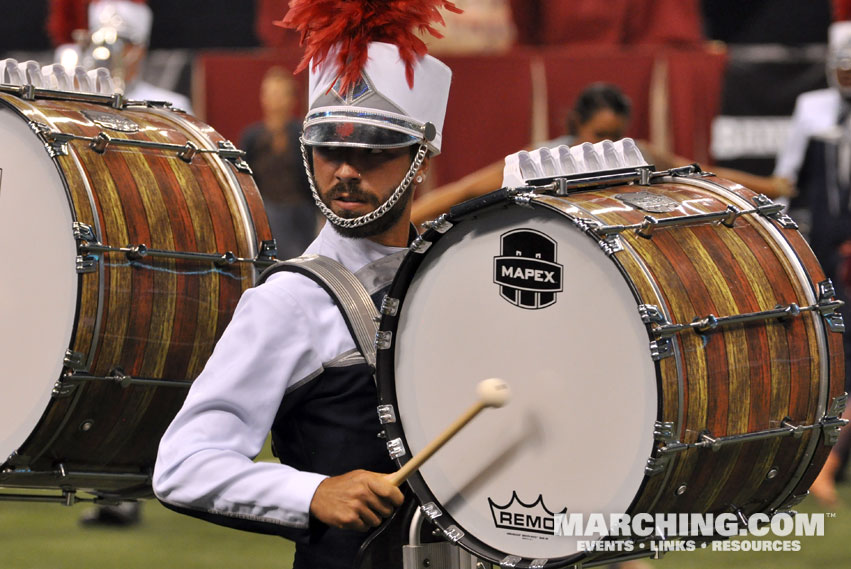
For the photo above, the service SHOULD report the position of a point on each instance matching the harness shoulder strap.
(350, 296)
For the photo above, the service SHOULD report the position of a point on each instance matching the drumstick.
(492, 392)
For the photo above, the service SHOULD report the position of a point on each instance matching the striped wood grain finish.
(735, 380)
(152, 317)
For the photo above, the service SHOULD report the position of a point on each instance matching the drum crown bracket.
(396, 448)
(386, 414)
(55, 144)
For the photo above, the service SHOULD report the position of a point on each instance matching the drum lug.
(510, 561)
(75, 360)
(837, 405)
(118, 101)
(56, 146)
(832, 422)
(235, 156)
(827, 306)
(188, 152)
(268, 251)
(523, 199)
(831, 427)
(420, 245)
(386, 414)
(389, 306)
(661, 349)
(431, 510)
(383, 339)
(767, 208)
(100, 142)
(835, 322)
(441, 224)
(62, 389)
(87, 264)
(396, 448)
(453, 533)
(611, 244)
(657, 464)
(663, 431)
(83, 232)
(650, 314)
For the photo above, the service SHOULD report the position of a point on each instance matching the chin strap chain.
(380, 210)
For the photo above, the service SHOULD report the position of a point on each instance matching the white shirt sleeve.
(205, 457)
(814, 112)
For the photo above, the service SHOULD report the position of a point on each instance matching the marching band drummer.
(117, 38)
(287, 362)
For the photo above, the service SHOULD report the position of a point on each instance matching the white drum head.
(38, 283)
(578, 429)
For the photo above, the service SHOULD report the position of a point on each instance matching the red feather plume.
(354, 24)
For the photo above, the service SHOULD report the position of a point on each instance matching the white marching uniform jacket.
(284, 334)
(815, 112)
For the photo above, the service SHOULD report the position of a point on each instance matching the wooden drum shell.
(145, 317)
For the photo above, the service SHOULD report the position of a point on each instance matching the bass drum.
(130, 234)
(670, 348)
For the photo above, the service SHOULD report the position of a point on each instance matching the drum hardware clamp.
(572, 183)
(510, 561)
(67, 498)
(662, 328)
(707, 441)
(419, 245)
(610, 244)
(57, 143)
(661, 349)
(440, 224)
(726, 217)
(117, 376)
(55, 148)
(389, 306)
(118, 101)
(776, 213)
(140, 251)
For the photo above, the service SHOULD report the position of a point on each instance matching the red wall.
(490, 110)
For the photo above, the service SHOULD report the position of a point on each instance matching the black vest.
(329, 424)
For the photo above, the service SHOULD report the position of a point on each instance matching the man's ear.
(423, 171)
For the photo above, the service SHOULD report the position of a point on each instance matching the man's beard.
(376, 227)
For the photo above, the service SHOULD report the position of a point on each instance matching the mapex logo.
(526, 269)
(518, 516)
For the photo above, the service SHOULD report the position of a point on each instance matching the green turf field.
(47, 536)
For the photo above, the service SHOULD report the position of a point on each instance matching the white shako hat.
(839, 40)
(381, 109)
(372, 85)
(838, 54)
(130, 20)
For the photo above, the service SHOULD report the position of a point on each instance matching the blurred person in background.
(817, 160)
(601, 111)
(117, 39)
(273, 152)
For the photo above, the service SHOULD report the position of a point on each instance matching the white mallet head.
(493, 392)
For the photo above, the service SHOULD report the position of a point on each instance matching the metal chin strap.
(380, 210)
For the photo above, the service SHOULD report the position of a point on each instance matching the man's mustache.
(350, 191)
